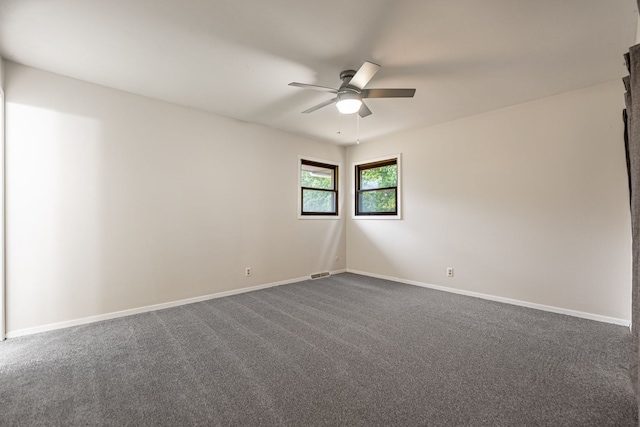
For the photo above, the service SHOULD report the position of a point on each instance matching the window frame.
(371, 164)
(337, 184)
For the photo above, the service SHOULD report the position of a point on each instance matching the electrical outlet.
(449, 271)
(247, 271)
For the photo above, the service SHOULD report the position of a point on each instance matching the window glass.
(316, 177)
(377, 201)
(377, 188)
(380, 177)
(318, 188)
(318, 201)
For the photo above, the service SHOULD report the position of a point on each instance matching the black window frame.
(373, 165)
(335, 169)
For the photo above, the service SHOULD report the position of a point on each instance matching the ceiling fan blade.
(324, 104)
(314, 87)
(388, 93)
(364, 110)
(364, 75)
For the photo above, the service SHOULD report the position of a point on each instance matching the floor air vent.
(320, 275)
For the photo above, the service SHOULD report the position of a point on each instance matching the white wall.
(116, 201)
(528, 202)
(2, 290)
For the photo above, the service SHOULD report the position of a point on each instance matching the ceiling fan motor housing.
(348, 93)
(346, 76)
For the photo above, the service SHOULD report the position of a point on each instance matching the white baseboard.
(132, 311)
(574, 313)
(129, 312)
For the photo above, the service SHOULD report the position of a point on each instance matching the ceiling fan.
(351, 92)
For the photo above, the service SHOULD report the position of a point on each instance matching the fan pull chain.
(357, 128)
(339, 123)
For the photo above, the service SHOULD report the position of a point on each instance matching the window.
(377, 188)
(318, 188)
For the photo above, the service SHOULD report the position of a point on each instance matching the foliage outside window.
(377, 188)
(318, 188)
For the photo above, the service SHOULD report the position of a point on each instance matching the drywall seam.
(542, 307)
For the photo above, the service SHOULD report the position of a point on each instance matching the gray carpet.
(345, 350)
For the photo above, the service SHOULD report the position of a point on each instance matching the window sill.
(319, 217)
(376, 217)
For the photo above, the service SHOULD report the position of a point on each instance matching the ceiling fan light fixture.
(353, 90)
(349, 103)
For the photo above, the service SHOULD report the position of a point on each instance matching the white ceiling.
(236, 57)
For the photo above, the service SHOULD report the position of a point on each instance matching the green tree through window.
(319, 188)
(377, 188)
